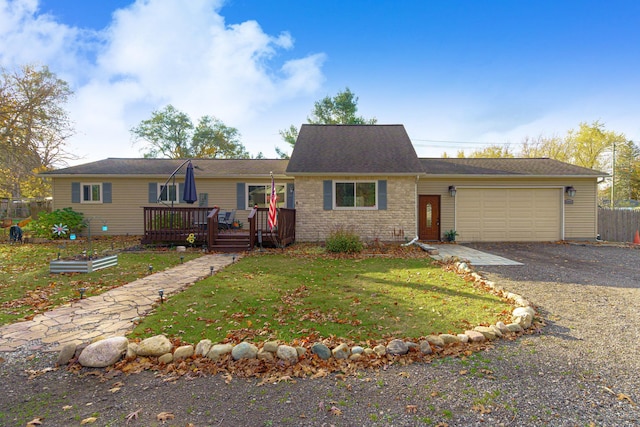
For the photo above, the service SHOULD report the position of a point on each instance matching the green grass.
(27, 287)
(280, 296)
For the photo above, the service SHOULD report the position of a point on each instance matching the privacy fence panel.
(618, 225)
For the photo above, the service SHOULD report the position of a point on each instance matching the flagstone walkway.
(111, 313)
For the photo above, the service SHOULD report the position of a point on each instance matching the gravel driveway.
(583, 369)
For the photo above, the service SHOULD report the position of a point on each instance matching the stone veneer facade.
(397, 223)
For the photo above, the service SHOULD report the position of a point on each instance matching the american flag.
(273, 215)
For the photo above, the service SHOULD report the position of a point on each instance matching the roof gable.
(353, 149)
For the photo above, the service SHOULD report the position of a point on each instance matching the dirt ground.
(582, 369)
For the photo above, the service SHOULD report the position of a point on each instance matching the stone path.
(110, 313)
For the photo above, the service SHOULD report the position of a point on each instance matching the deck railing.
(283, 235)
(166, 224)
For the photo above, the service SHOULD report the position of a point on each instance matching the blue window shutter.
(75, 192)
(106, 192)
(382, 194)
(180, 194)
(327, 194)
(153, 192)
(240, 196)
(291, 196)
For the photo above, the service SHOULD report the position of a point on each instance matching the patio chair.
(227, 220)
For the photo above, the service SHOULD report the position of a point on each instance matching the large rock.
(321, 350)
(218, 350)
(397, 347)
(103, 353)
(449, 339)
(154, 346)
(523, 316)
(271, 346)
(203, 347)
(341, 351)
(183, 352)
(66, 354)
(425, 347)
(287, 353)
(380, 350)
(435, 340)
(265, 355)
(244, 350)
(475, 336)
(488, 333)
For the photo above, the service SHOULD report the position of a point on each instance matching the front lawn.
(291, 296)
(27, 288)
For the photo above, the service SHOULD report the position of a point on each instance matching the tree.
(491, 151)
(626, 172)
(170, 133)
(588, 144)
(34, 128)
(552, 147)
(341, 109)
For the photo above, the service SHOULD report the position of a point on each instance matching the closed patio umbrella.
(190, 194)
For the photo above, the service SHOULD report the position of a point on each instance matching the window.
(258, 194)
(168, 193)
(355, 194)
(91, 193)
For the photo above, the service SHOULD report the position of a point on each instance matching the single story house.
(363, 178)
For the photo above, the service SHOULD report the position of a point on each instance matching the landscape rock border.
(107, 352)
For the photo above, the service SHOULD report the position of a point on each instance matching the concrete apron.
(474, 256)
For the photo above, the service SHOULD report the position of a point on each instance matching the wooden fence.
(618, 225)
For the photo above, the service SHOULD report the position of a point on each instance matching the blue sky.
(458, 74)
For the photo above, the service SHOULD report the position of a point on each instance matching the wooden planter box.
(82, 266)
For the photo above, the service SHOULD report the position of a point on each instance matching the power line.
(455, 142)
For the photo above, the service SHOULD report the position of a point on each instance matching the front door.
(429, 218)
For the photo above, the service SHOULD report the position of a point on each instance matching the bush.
(67, 216)
(344, 241)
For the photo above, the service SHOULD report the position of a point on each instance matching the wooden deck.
(174, 225)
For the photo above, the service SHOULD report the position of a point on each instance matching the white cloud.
(154, 53)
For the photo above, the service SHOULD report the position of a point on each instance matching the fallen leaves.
(621, 396)
(89, 420)
(481, 409)
(35, 422)
(411, 409)
(165, 416)
(133, 416)
(336, 411)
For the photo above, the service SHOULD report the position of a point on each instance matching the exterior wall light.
(571, 192)
(452, 190)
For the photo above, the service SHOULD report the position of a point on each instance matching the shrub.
(67, 216)
(344, 241)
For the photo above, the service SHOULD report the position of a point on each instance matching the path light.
(161, 293)
(181, 259)
(82, 291)
(211, 269)
(233, 259)
(150, 268)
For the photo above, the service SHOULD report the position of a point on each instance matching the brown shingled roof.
(353, 149)
(211, 168)
(504, 166)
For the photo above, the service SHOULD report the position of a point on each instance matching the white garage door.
(509, 214)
